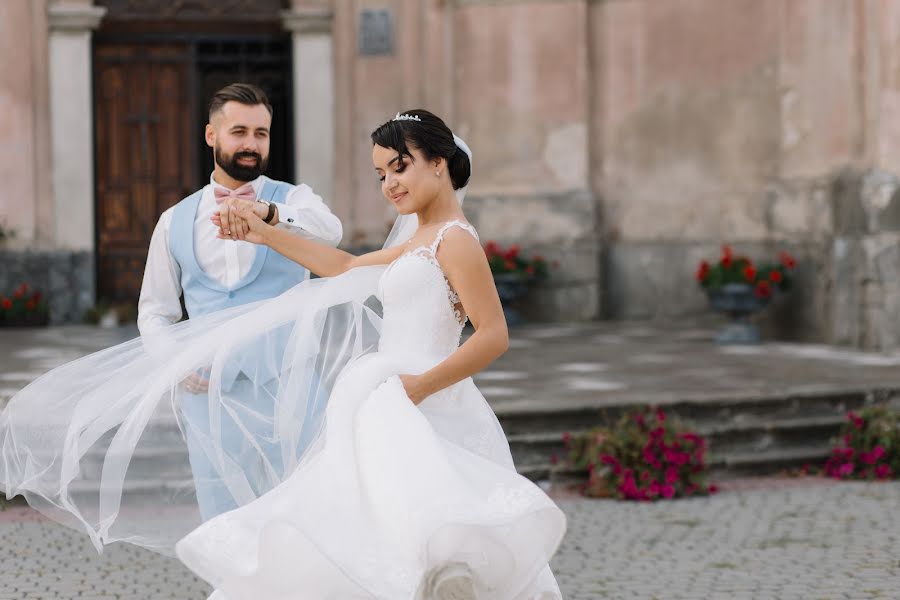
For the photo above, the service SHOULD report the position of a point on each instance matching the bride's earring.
(438, 173)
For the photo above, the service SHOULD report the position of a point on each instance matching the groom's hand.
(196, 384)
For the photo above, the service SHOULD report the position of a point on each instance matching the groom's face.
(239, 137)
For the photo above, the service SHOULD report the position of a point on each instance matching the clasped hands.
(239, 219)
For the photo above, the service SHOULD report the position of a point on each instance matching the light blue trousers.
(254, 416)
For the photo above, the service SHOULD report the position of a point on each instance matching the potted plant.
(737, 287)
(644, 456)
(868, 446)
(513, 275)
(24, 308)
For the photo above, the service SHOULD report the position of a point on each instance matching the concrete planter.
(511, 287)
(25, 320)
(738, 301)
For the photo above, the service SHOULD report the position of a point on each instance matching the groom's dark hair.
(244, 93)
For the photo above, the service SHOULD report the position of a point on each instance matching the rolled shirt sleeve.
(160, 304)
(305, 214)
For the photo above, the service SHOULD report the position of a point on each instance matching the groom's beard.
(235, 170)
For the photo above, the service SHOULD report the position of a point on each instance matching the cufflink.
(290, 220)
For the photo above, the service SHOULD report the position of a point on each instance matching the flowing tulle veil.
(99, 443)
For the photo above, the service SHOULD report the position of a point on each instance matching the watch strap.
(271, 214)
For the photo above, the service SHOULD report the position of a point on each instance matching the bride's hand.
(226, 217)
(413, 385)
(240, 222)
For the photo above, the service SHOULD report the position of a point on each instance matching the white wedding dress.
(393, 501)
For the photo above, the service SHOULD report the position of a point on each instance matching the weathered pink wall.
(887, 106)
(510, 78)
(521, 95)
(25, 201)
(688, 116)
(701, 106)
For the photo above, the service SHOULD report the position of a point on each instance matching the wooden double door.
(150, 110)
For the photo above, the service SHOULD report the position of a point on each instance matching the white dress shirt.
(303, 213)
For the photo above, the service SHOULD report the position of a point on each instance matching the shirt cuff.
(287, 215)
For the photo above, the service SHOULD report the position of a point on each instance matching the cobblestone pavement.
(820, 542)
(814, 540)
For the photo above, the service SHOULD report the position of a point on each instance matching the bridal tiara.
(406, 117)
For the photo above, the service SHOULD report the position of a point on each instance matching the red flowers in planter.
(510, 260)
(645, 456)
(787, 260)
(702, 271)
(727, 259)
(23, 307)
(762, 289)
(765, 278)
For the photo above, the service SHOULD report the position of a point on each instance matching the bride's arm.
(467, 270)
(320, 259)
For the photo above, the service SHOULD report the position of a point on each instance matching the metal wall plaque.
(376, 31)
(193, 10)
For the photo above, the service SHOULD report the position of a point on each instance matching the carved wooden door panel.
(144, 153)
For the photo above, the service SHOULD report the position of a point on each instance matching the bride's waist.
(414, 355)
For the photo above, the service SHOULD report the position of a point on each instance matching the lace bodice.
(422, 314)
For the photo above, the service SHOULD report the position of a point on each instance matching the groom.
(186, 258)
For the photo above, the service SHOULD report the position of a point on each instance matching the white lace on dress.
(422, 312)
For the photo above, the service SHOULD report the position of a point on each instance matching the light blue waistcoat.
(271, 275)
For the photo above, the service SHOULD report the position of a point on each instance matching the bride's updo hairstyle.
(430, 135)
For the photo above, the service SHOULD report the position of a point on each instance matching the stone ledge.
(65, 277)
(74, 19)
(308, 20)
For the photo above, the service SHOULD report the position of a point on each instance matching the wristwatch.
(271, 214)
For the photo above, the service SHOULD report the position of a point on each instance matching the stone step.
(755, 436)
(722, 467)
(699, 410)
(732, 465)
(742, 437)
(164, 462)
(178, 485)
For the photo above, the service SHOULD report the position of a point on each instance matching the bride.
(401, 486)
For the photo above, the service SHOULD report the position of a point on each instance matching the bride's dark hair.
(430, 135)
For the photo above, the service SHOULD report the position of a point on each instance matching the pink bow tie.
(245, 192)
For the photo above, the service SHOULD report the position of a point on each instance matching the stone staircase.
(747, 436)
(752, 436)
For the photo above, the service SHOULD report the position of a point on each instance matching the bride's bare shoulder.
(460, 243)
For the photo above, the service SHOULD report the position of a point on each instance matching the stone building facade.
(625, 139)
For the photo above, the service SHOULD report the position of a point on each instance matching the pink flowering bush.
(645, 456)
(868, 447)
